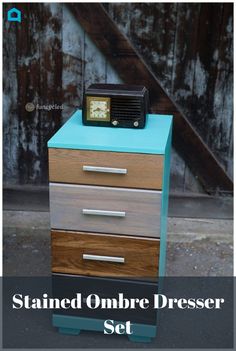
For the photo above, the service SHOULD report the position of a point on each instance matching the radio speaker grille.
(126, 108)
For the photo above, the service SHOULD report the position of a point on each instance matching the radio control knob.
(136, 123)
(115, 123)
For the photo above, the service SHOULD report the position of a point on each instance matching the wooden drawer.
(105, 210)
(106, 168)
(67, 286)
(104, 255)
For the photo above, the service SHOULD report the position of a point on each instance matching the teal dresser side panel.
(164, 209)
(151, 140)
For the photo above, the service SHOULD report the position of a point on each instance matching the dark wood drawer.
(67, 286)
(104, 255)
(118, 169)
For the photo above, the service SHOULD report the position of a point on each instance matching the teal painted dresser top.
(150, 140)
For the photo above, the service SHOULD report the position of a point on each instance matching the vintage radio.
(115, 105)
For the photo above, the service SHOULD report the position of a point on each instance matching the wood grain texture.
(144, 171)
(133, 70)
(141, 255)
(33, 74)
(142, 208)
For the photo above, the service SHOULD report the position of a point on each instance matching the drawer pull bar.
(87, 211)
(104, 258)
(105, 169)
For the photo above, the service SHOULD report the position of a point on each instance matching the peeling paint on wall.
(200, 78)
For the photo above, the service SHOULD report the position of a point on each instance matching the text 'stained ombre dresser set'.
(108, 208)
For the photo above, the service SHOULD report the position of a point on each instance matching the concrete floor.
(196, 247)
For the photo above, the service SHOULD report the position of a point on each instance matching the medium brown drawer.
(104, 255)
(106, 168)
(105, 209)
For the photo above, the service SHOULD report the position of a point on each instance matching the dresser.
(108, 210)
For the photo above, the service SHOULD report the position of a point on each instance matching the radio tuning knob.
(136, 123)
(114, 123)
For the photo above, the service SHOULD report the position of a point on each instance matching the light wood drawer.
(105, 210)
(105, 168)
(104, 255)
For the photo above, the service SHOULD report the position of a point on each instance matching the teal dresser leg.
(69, 331)
(137, 338)
(73, 325)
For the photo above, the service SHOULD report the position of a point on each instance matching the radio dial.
(115, 123)
(136, 123)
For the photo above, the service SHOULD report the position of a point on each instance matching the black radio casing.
(121, 106)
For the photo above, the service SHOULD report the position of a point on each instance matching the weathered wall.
(83, 64)
(189, 48)
(48, 60)
(32, 73)
(51, 60)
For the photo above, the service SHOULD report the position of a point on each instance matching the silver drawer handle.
(105, 169)
(104, 258)
(87, 211)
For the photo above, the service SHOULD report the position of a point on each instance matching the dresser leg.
(137, 338)
(69, 331)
